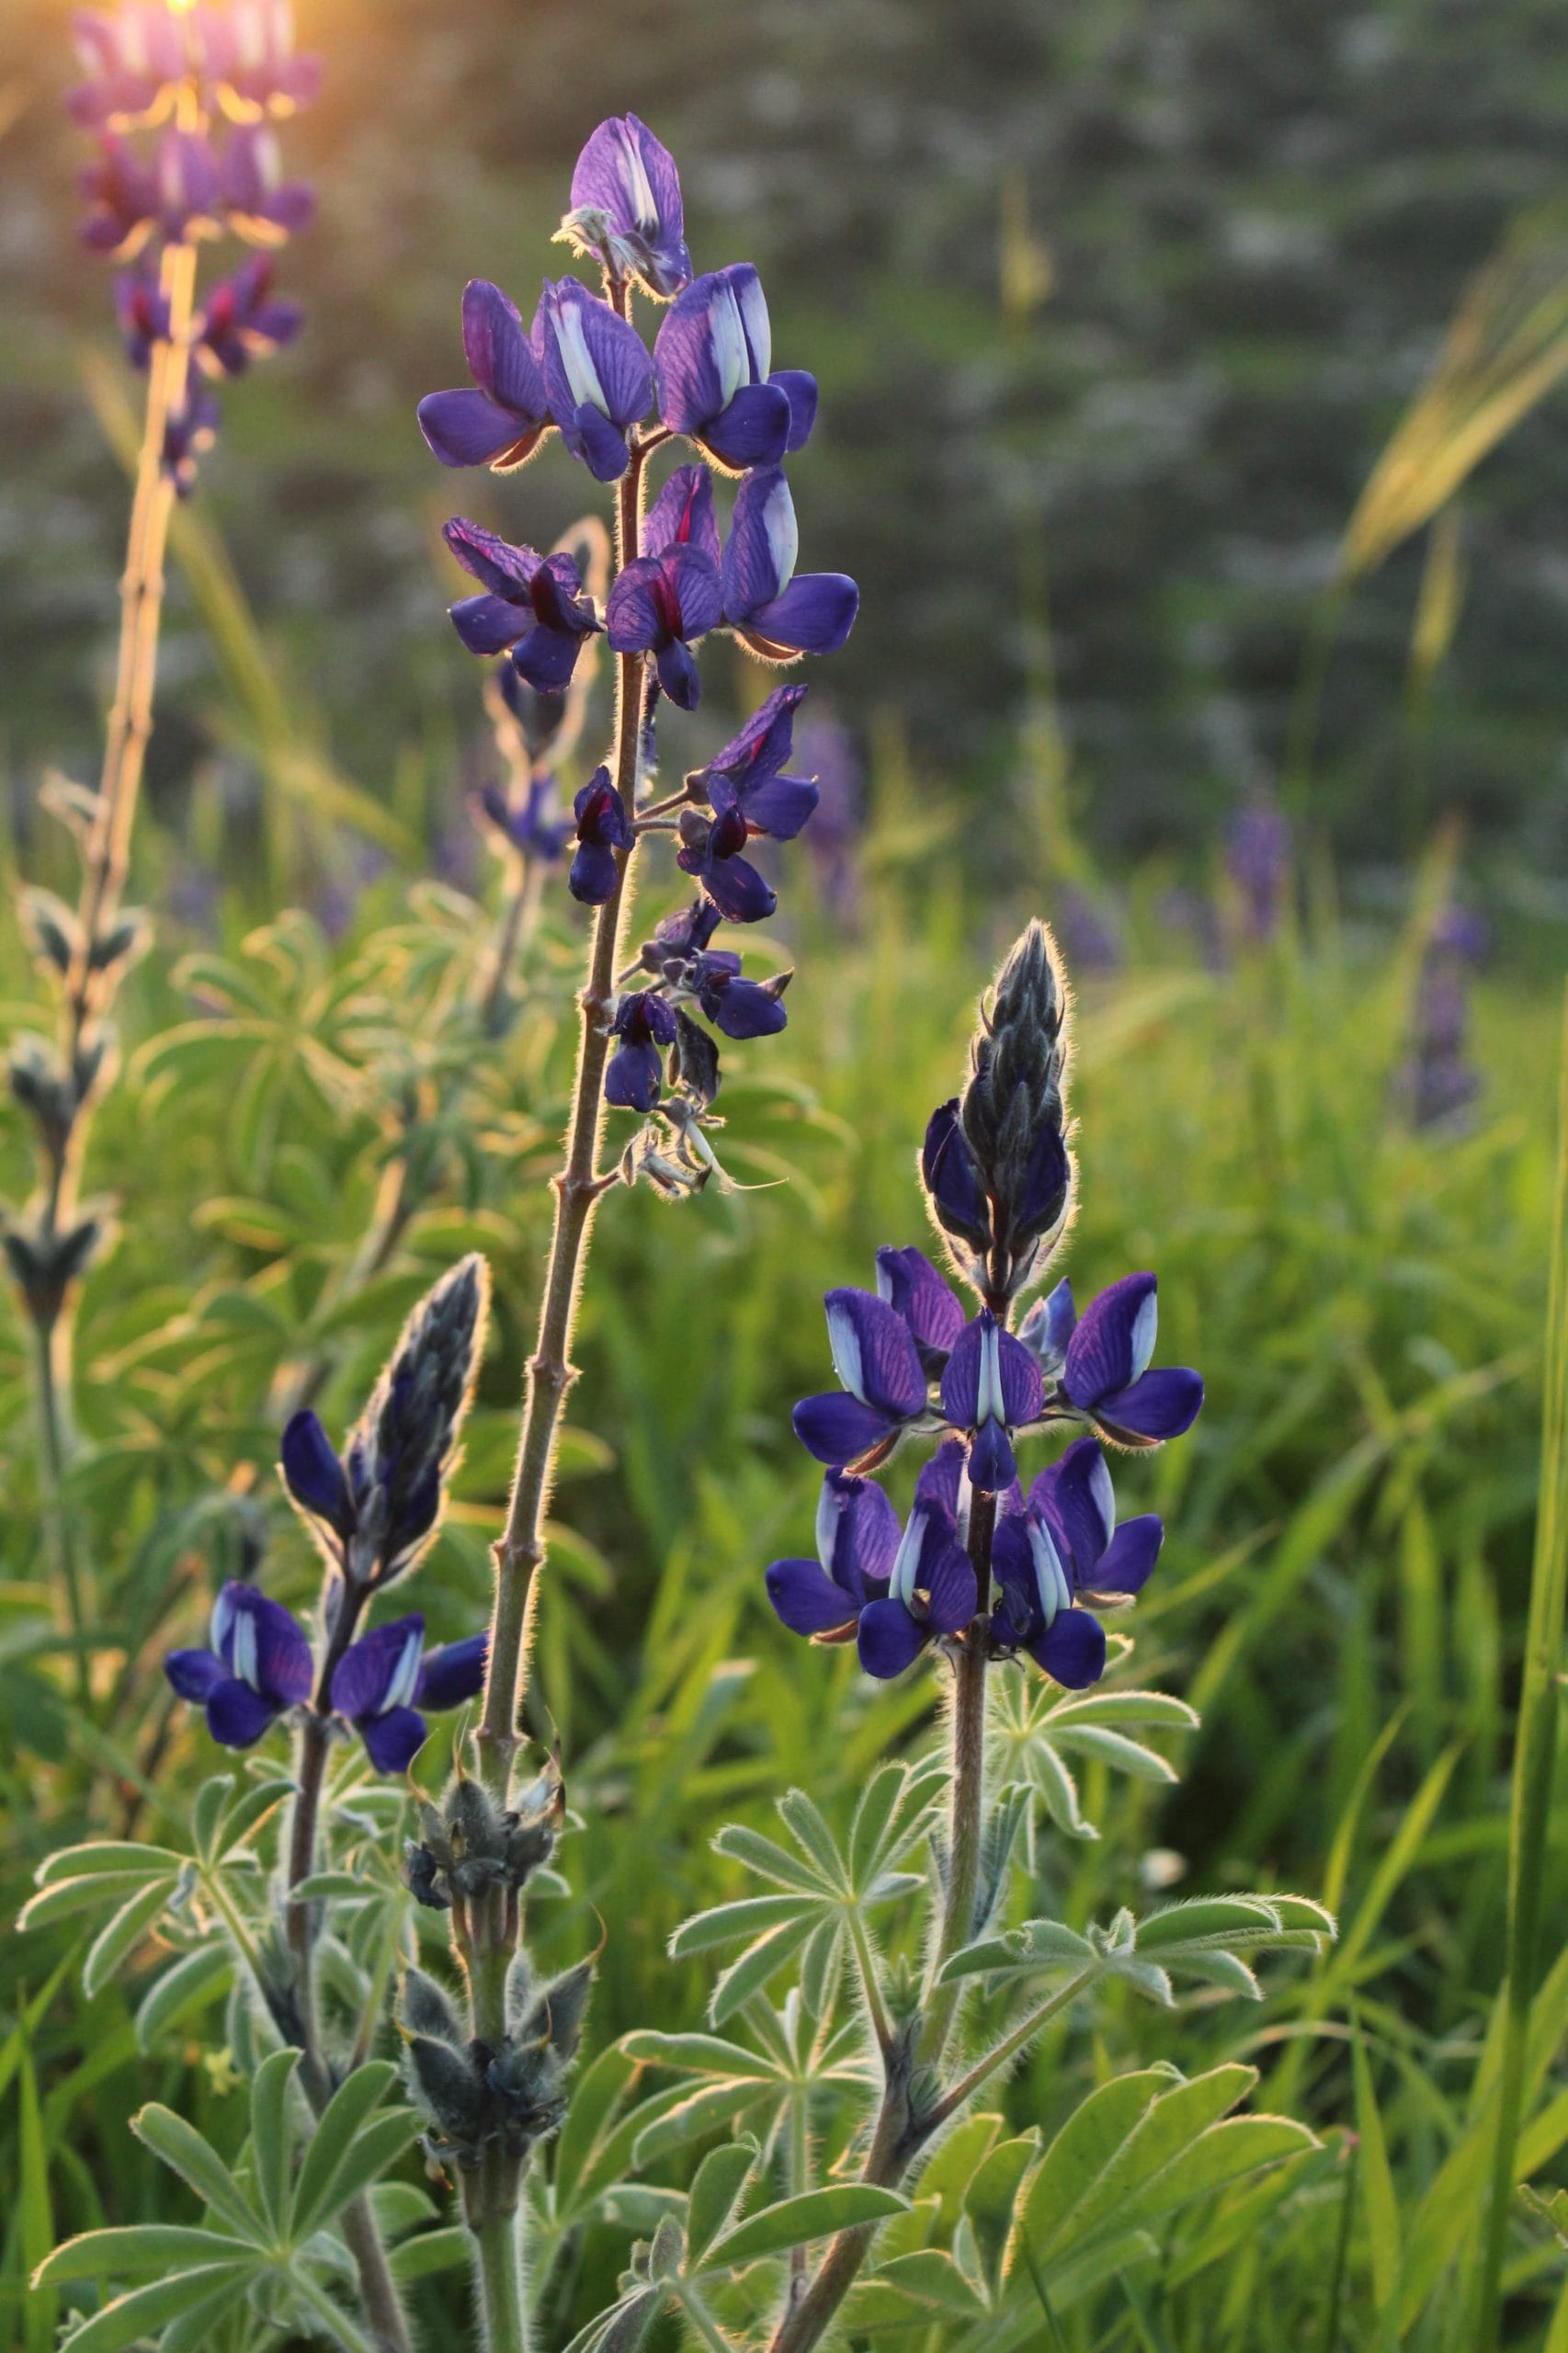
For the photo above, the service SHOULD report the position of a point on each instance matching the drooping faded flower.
(713, 365)
(382, 1681)
(710, 850)
(533, 606)
(258, 1664)
(597, 376)
(626, 207)
(502, 422)
(775, 613)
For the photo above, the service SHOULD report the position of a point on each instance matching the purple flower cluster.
(1437, 1083)
(580, 369)
(183, 105)
(259, 1666)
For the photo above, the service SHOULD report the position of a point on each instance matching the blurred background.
(1114, 306)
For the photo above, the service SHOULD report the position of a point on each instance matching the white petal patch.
(243, 1660)
(843, 1343)
(1144, 1325)
(644, 211)
(581, 374)
(1103, 1496)
(758, 328)
(783, 534)
(1050, 1578)
(991, 1407)
(829, 1512)
(405, 1681)
(905, 1568)
(222, 1620)
(727, 340)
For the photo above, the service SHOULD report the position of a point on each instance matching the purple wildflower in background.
(501, 423)
(1085, 933)
(1438, 1082)
(243, 320)
(626, 207)
(1105, 1374)
(142, 311)
(535, 825)
(712, 362)
(189, 434)
(533, 606)
(597, 376)
(248, 52)
(1060, 1549)
(669, 597)
(825, 751)
(775, 613)
(262, 205)
(382, 1681)
(122, 199)
(1257, 859)
(129, 61)
(644, 1024)
(258, 1665)
(603, 827)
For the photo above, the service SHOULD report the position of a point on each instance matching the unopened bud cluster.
(477, 2095)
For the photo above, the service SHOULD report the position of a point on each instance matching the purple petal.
(1076, 1498)
(683, 515)
(393, 1741)
(759, 555)
(615, 352)
(686, 354)
(913, 1289)
(742, 1009)
(1133, 1550)
(1043, 1195)
(195, 1674)
(488, 624)
(734, 885)
(599, 444)
(807, 1599)
(1162, 1405)
(1072, 1650)
(949, 1171)
(889, 1639)
(778, 805)
(499, 353)
(839, 1429)
(1013, 1565)
(857, 1533)
(814, 615)
(465, 428)
(453, 1673)
(992, 1467)
(284, 1670)
(801, 391)
(633, 1077)
(1023, 1390)
(694, 576)
(960, 1377)
(874, 1353)
(952, 1595)
(313, 1473)
(752, 430)
(763, 743)
(546, 658)
(1100, 1355)
(678, 674)
(634, 617)
(381, 1670)
(237, 1716)
(556, 591)
(625, 173)
(941, 1481)
(496, 563)
(593, 875)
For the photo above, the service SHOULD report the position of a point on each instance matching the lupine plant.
(182, 104)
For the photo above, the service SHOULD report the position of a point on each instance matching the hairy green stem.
(1534, 1751)
(967, 1827)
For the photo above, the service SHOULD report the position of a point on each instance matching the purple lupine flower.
(910, 1284)
(858, 1538)
(597, 376)
(535, 826)
(190, 432)
(932, 1588)
(603, 827)
(1105, 1373)
(193, 185)
(738, 1008)
(1085, 933)
(713, 359)
(626, 207)
(1061, 1549)
(775, 614)
(533, 605)
(247, 49)
(679, 937)
(1048, 1327)
(502, 422)
(669, 597)
(143, 310)
(129, 61)
(122, 197)
(745, 774)
(259, 1664)
(645, 1024)
(991, 1386)
(875, 1357)
(242, 320)
(382, 1681)
(711, 851)
(261, 204)
(1257, 857)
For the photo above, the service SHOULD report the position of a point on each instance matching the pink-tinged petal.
(363, 1682)
(1133, 1550)
(1162, 1405)
(807, 1599)
(694, 577)
(195, 1674)
(1072, 1650)
(464, 428)
(759, 555)
(874, 1353)
(839, 1429)
(752, 430)
(1100, 1355)
(394, 1740)
(488, 624)
(558, 598)
(814, 615)
(763, 743)
(682, 513)
(499, 353)
(888, 1639)
(237, 1716)
(801, 391)
(495, 563)
(453, 1673)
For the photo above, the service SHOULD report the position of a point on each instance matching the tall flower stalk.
(156, 83)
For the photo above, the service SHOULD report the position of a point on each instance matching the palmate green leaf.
(726, 1922)
(128, 2250)
(748, 1976)
(428, 2252)
(1031, 1950)
(769, 1860)
(597, 2099)
(715, 2193)
(330, 2159)
(622, 2328)
(927, 2279)
(691, 2116)
(1164, 2132)
(796, 2222)
(186, 2152)
(805, 1825)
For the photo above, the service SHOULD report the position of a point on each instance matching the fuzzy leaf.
(185, 2152)
(751, 1972)
(725, 1922)
(769, 1860)
(123, 2252)
(181, 1989)
(720, 2179)
(328, 2155)
(120, 1934)
(143, 2311)
(270, 2137)
(795, 2221)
